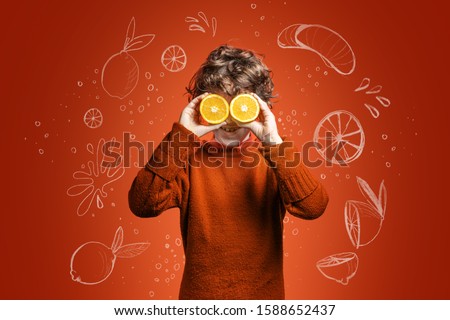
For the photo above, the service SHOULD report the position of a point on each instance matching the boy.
(232, 192)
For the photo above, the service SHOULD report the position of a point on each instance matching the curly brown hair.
(232, 71)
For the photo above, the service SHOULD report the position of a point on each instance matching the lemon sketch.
(330, 46)
(120, 73)
(93, 262)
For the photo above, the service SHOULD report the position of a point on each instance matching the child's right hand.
(190, 116)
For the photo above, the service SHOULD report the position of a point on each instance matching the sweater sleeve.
(302, 195)
(163, 183)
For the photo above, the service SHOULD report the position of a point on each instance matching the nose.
(230, 120)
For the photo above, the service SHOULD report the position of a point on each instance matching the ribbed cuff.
(172, 153)
(295, 180)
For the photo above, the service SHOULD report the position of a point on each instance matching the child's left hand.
(267, 130)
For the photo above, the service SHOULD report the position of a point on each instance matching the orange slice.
(214, 109)
(244, 108)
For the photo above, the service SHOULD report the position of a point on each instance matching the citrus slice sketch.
(174, 58)
(244, 108)
(362, 222)
(339, 137)
(214, 109)
(340, 267)
(329, 45)
(93, 118)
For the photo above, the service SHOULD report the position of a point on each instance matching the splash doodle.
(196, 25)
(385, 102)
(92, 183)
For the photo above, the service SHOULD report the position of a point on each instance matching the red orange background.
(48, 47)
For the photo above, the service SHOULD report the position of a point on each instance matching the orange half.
(244, 108)
(214, 109)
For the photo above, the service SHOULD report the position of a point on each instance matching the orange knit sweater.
(232, 204)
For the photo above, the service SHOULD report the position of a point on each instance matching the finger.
(194, 102)
(264, 107)
(261, 102)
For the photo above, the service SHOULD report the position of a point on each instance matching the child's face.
(230, 134)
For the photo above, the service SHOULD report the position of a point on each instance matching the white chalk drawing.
(93, 118)
(363, 85)
(196, 25)
(340, 267)
(174, 58)
(93, 262)
(373, 111)
(120, 73)
(339, 137)
(92, 183)
(331, 47)
(374, 90)
(363, 220)
(385, 102)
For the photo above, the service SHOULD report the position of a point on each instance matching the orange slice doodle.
(363, 220)
(339, 137)
(340, 267)
(174, 58)
(330, 46)
(93, 118)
